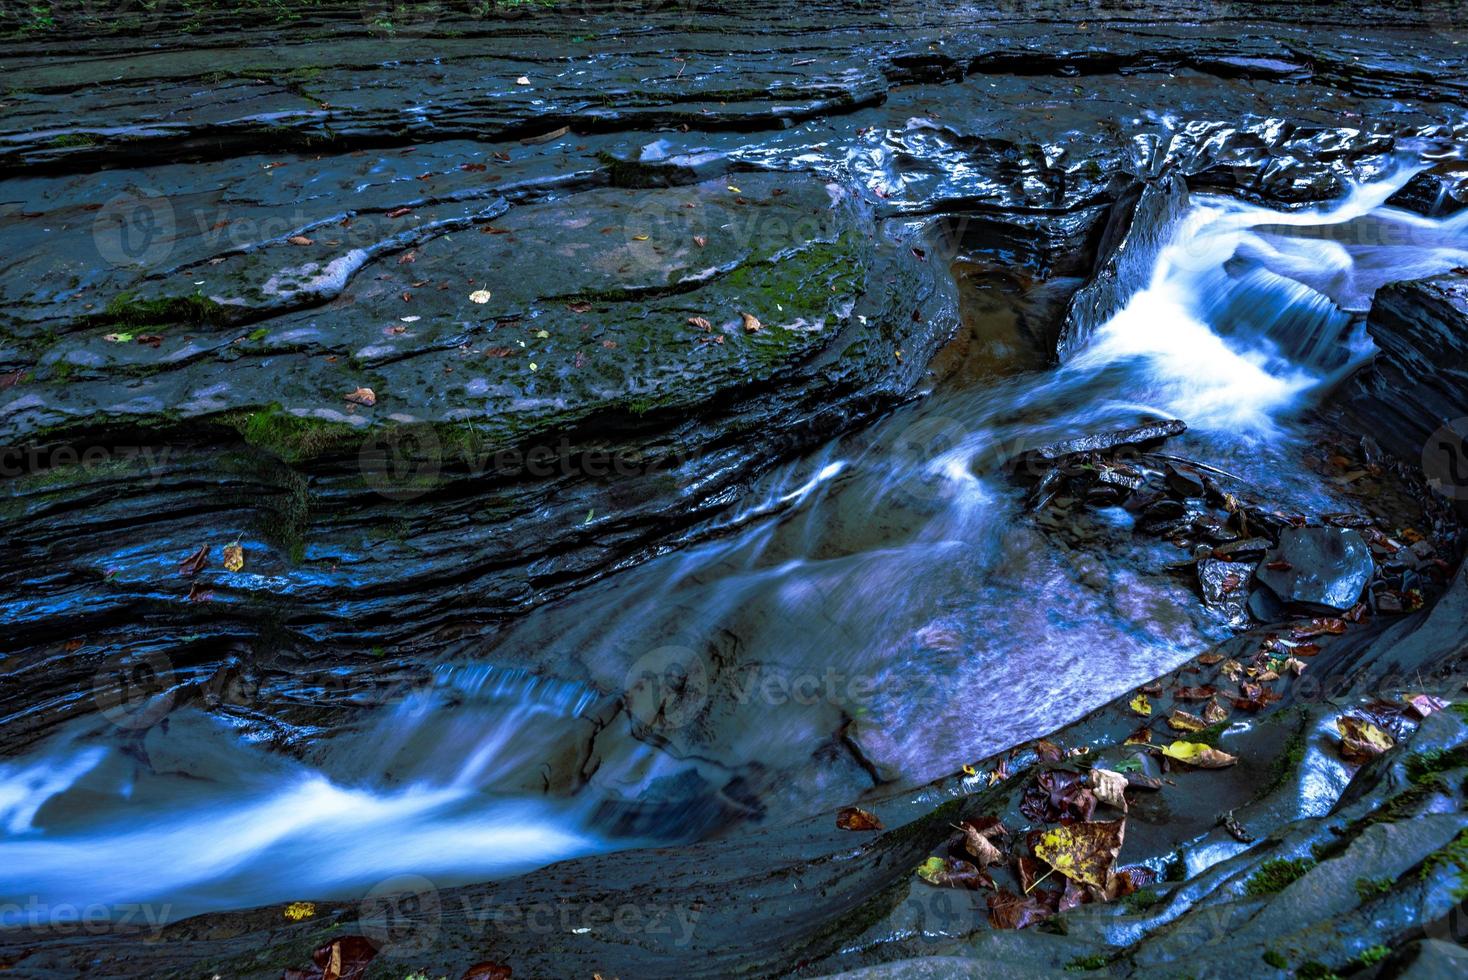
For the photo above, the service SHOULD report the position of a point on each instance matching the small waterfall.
(886, 595)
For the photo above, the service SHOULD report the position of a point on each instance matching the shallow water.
(880, 609)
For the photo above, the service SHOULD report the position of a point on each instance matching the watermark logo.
(667, 688)
(401, 916)
(135, 229)
(1445, 460)
(402, 462)
(134, 692)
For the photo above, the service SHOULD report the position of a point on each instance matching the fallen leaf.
(1010, 911)
(1142, 736)
(1420, 706)
(487, 971)
(345, 958)
(300, 240)
(1083, 852)
(1202, 693)
(399, 212)
(194, 563)
(296, 911)
(699, 322)
(1198, 754)
(1213, 713)
(1181, 721)
(554, 134)
(855, 818)
(1048, 751)
(751, 324)
(542, 335)
(1361, 741)
(579, 307)
(1109, 787)
(234, 557)
(153, 340)
(523, 80)
(639, 238)
(118, 338)
(953, 873)
(1057, 794)
(1140, 705)
(362, 396)
(700, 241)
(977, 844)
(479, 296)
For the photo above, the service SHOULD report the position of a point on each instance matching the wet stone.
(1327, 567)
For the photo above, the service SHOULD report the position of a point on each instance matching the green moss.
(1452, 855)
(1142, 899)
(290, 437)
(1277, 874)
(126, 310)
(1425, 767)
(1275, 959)
(1096, 961)
(1371, 956)
(74, 139)
(1311, 970)
(1369, 888)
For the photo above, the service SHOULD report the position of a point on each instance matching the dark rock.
(1136, 436)
(1184, 482)
(1225, 586)
(1328, 567)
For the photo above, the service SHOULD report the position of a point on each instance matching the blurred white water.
(885, 593)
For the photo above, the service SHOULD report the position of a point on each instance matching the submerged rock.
(1324, 567)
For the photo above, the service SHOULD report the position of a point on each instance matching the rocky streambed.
(440, 446)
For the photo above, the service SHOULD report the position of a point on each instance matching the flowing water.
(883, 608)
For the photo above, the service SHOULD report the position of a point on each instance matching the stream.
(882, 610)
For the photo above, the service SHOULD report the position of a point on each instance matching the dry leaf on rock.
(234, 557)
(751, 324)
(1181, 721)
(953, 873)
(1109, 787)
(362, 396)
(855, 818)
(1198, 754)
(1361, 741)
(1083, 852)
(194, 563)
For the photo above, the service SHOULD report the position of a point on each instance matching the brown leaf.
(1010, 911)
(977, 844)
(194, 563)
(1181, 721)
(579, 307)
(751, 323)
(345, 958)
(487, 971)
(1048, 751)
(399, 212)
(1209, 659)
(700, 241)
(153, 340)
(362, 396)
(554, 134)
(1420, 706)
(855, 818)
(1057, 794)
(1142, 736)
(1213, 712)
(300, 240)
(1319, 627)
(1202, 693)
(699, 322)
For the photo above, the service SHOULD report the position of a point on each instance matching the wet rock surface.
(592, 308)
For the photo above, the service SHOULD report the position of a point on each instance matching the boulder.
(1318, 567)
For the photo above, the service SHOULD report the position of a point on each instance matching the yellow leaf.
(479, 296)
(234, 557)
(542, 334)
(1083, 852)
(1198, 754)
(1141, 705)
(534, 366)
(639, 238)
(734, 190)
(1361, 741)
(296, 911)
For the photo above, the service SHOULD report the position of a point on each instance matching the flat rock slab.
(1328, 567)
